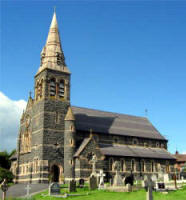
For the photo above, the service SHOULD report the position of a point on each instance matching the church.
(57, 141)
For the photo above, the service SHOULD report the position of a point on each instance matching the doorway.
(55, 173)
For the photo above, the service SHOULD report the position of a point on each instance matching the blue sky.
(125, 56)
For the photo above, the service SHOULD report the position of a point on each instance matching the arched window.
(111, 161)
(152, 166)
(133, 165)
(122, 165)
(135, 141)
(52, 87)
(61, 89)
(142, 165)
(41, 89)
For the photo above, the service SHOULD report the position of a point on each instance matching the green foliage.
(4, 160)
(6, 174)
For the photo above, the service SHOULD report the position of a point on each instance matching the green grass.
(106, 195)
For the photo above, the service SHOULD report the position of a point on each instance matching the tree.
(6, 174)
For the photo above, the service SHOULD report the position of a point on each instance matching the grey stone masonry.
(69, 150)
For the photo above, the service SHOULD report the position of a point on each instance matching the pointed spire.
(69, 116)
(52, 56)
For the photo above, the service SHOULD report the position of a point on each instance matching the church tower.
(42, 159)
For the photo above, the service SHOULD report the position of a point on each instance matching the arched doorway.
(55, 173)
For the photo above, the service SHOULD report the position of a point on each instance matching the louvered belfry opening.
(52, 87)
(61, 89)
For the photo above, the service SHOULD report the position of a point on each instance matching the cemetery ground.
(86, 194)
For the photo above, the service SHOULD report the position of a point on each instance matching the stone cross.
(149, 184)
(117, 166)
(28, 188)
(4, 188)
(93, 161)
(101, 179)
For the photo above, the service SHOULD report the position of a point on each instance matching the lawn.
(106, 195)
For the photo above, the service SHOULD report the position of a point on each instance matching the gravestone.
(166, 178)
(28, 188)
(81, 183)
(4, 188)
(93, 182)
(149, 185)
(154, 178)
(117, 178)
(54, 189)
(101, 179)
(161, 186)
(129, 187)
(129, 179)
(93, 162)
(72, 186)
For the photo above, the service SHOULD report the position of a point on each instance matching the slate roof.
(180, 157)
(82, 146)
(135, 151)
(114, 123)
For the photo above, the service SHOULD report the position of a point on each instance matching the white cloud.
(10, 113)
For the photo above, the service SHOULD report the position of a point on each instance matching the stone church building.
(57, 141)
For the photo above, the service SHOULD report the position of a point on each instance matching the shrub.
(6, 174)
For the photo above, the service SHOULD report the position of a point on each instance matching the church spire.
(52, 56)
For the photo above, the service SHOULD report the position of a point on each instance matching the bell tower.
(40, 147)
(52, 88)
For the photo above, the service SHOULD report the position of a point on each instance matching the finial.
(146, 112)
(54, 9)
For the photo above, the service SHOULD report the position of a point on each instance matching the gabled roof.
(82, 146)
(180, 157)
(114, 123)
(135, 151)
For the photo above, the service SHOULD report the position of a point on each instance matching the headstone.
(93, 161)
(81, 183)
(129, 187)
(93, 182)
(166, 178)
(54, 189)
(149, 185)
(101, 179)
(28, 188)
(72, 186)
(117, 178)
(129, 179)
(154, 178)
(4, 188)
(161, 186)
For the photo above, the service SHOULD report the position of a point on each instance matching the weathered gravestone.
(149, 186)
(129, 179)
(166, 178)
(81, 183)
(72, 186)
(28, 188)
(93, 162)
(4, 188)
(117, 178)
(129, 187)
(101, 179)
(93, 182)
(54, 189)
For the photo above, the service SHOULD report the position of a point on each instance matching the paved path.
(18, 190)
